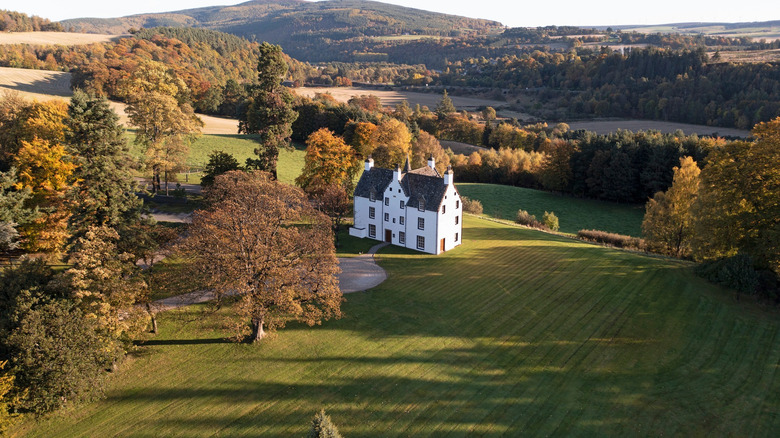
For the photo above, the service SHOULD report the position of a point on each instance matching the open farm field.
(514, 333)
(768, 30)
(55, 38)
(391, 98)
(607, 126)
(45, 85)
(574, 214)
(460, 148)
(772, 55)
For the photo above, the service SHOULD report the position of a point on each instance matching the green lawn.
(241, 147)
(574, 214)
(514, 333)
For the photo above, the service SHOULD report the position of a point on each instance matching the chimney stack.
(448, 176)
(369, 163)
(432, 162)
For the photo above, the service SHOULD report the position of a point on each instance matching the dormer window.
(372, 195)
(421, 204)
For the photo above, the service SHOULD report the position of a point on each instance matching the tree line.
(12, 21)
(681, 86)
(725, 214)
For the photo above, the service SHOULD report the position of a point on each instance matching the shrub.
(614, 239)
(738, 273)
(527, 219)
(472, 206)
(550, 220)
(322, 427)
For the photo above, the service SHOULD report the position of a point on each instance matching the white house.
(418, 209)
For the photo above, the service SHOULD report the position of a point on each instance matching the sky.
(509, 12)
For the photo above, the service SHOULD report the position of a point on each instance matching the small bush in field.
(529, 220)
(614, 239)
(472, 206)
(550, 220)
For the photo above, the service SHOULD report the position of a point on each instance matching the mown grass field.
(574, 214)
(241, 147)
(514, 333)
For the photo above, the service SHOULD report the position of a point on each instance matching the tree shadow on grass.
(183, 342)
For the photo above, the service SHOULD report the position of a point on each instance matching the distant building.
(417, 209)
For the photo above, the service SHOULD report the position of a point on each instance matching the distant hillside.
(296, 23)
(768, 30)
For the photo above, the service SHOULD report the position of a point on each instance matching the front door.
(442, 245)
(388, 236)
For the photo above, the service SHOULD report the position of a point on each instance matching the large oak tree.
(263, 241)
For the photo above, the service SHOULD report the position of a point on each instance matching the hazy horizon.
(566, 12)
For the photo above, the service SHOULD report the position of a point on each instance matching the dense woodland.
(214, 65)
(681, 86)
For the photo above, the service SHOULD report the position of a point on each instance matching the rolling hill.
(291, 22)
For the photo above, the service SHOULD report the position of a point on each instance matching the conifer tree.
(103, 192)
(323, 427)
(269, 112)
(445, 106)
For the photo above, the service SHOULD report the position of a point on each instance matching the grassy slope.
(514, 332)
(241, 147)
(574, 214)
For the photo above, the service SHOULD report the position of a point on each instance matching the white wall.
(447, 226)
(395, 194)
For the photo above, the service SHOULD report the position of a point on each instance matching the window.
(372, 231)
(402, 204)
(420, 223)
(371, 212)
(420, 242)
(456, 219)
(421, 204)
(457, 204)
(443, 209)
(402, 238)
(456, 237)
(372, 195)
(387, 217)
(387, 201)
(401, 220)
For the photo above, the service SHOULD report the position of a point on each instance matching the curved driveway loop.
(361, 273)
(357, 274)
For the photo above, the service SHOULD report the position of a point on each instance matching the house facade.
(417, 209)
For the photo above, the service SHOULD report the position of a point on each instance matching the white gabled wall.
(395, 194)
(453, 207)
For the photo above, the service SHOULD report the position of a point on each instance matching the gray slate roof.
(423, 183)
(377, 179)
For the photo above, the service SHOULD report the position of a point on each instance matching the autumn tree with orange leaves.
(329, 161)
